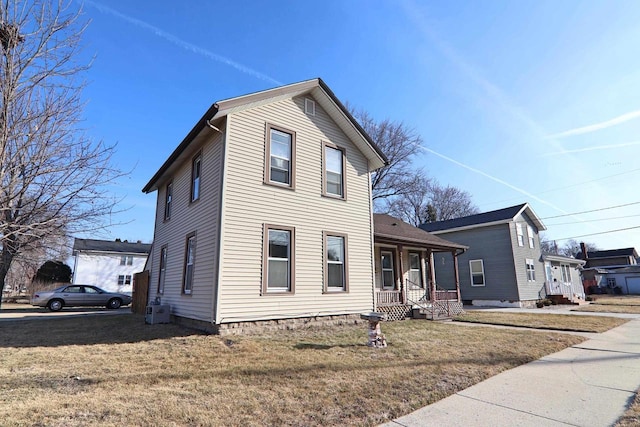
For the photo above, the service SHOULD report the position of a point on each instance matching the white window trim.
(419, 269)
(187, 282)
(344, 263)
(520, 234)
(484, 277)
(531, 237)
(272, 290)
(392, 269)
(529, 262)
(196, 177)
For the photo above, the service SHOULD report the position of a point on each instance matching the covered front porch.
(405, 281)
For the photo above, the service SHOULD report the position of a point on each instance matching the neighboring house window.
(520, 234)
(333, 159)
(388, 275)
(196, 171)
(531, 270)
(167, 201)
(281, 158)
(278, 273)
(611, 282)
(476, 267)
(126, 260)
(566, 273)
(415, 272)
(162, 269)
(124, 279)
(189, 261)
(336, 275)
(530, 235)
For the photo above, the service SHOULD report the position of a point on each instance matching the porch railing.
(389, 297)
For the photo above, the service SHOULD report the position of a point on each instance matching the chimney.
(583, 247)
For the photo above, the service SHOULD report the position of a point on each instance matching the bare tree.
(571, 248)
(53, 178)
(448, 202)
(400, 144)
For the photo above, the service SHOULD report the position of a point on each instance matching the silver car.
(79, 295)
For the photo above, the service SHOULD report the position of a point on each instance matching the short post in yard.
(376, 338)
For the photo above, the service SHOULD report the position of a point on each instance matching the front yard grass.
(115, 370)
(612, 304)
(633, 300)
(565, 322)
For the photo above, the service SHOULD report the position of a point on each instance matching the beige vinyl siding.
(201, 217)
(527, 290)
(249, 204)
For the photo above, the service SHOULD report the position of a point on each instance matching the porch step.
(561, 299)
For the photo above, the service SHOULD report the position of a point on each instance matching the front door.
(388, 273)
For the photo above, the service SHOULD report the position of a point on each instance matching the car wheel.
(55, 305)
(114, 303)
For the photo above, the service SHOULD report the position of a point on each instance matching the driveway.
(13, 312)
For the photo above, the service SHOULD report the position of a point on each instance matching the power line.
(594, 210)
(593, 220)
(596, 234)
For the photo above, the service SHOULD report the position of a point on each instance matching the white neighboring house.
(108, 264)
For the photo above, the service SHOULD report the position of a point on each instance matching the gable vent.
(309, 107)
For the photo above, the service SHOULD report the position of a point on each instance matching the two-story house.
(503, 265)
(264, 213)
(108, 264)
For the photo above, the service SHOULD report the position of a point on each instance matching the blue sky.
(517, 101)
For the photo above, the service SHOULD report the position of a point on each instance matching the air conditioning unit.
(160, 313)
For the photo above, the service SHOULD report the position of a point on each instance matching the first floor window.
(124, 279)
(476, 266)
(163, 269)
(611, 282)
(336, 265)
(531, 270)
(388, 275)
(566, 273)
(279, 253)
(415, 272)
(189, 262)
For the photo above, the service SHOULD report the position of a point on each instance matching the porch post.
(432, 277)
(456, 274)
(401, 275)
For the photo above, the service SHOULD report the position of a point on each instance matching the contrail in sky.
(183, 44)
(597, 147)
(493, 178)
(597, 126)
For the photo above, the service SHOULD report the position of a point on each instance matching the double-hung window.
(336, 274)
(531, 237)
(162, 269)
(189, 263)
(415, 272)
(476, 267)
(531, 270)
(520, 234)
(278, 269)
(168, 200)
(334, 161)
(196, 171)
(388, 273)
(281, 157)
(566, 273)
(124, 279)
(126, 260)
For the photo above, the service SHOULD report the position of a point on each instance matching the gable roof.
(610, 253)
(83, 245)
(314, 87)
(500, 216)
(388, 228)
(562, 258)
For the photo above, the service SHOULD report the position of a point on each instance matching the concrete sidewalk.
(590, 384)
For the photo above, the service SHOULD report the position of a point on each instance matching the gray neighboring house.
(503, 265)
(611, 271)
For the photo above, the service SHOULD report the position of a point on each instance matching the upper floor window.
(168, 199)
(309, 107)
(531, 236)
(162, 269)
(196, 170)
(126, 260)
(520, 234)
(278, 270)
(531, 270)
(333, 160)
(335, 277)
(476, 267)
(281, 158)
(189, 263)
